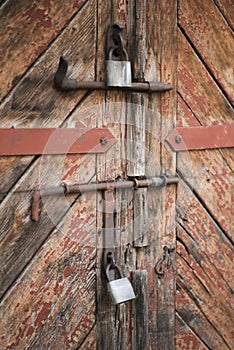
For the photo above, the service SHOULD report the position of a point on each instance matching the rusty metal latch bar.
(54, 141)
(65, 189)
(201, 137)
(61, 82)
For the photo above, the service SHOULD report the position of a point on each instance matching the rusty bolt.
(178, 139)
(104, 141)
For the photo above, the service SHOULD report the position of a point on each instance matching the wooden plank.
(227, 8)
(211, 240)
(140, 310)
(26, 31)
(206, 100)
(140, 232)
(90, 341)
(57, 307)
(111, 166)
(186, 339)
(214, 48)
(167, 66)
(192, 315)
(207, 294)
(137, 102)
(33, 101)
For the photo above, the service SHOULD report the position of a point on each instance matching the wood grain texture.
(136, 113)
(20, 236)
(212, 38)
(209, 172)
(16, 240)
(26, 31)
(205, 256)
(186, 339)
(226, 8)
(57, 306)
(34, 102)
(165, 225)
(111, 166)
(205, 100)
(204, 299)
(140, 310)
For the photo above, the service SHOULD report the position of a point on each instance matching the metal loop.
(123, 53)
(115, 267)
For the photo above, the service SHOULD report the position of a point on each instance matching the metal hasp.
(201, 137)
(61, 82)
(54, 141)
(65, 189)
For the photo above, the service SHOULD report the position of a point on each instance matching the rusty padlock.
(119, 289)
(118, 71)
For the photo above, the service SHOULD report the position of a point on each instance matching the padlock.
(118, 72)
(120, 289)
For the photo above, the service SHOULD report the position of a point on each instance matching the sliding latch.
(65, 189)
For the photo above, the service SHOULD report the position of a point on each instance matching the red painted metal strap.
(201, 137)
(54, 141)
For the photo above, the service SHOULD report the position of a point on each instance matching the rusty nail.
(178, 139)
(104, 141)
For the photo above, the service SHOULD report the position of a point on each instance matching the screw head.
(178, 139)
(104, 140)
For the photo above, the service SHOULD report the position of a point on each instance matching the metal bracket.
(61, 82)
(201, 137)
(54, 141)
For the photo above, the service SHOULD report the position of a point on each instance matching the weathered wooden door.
(53, 288)
(204, 299)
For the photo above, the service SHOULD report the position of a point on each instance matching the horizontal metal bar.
(73, 84)
(63, 83)
(105, 186)
(54, 141)
(201, 137)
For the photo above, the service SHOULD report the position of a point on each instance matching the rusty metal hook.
(164, 262)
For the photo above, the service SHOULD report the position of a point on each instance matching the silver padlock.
(118, 72)
(120, 289)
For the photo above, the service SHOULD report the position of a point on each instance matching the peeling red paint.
(43, 313)
(39, 17)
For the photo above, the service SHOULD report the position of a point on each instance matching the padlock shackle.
(115, 267)
(123, 53)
